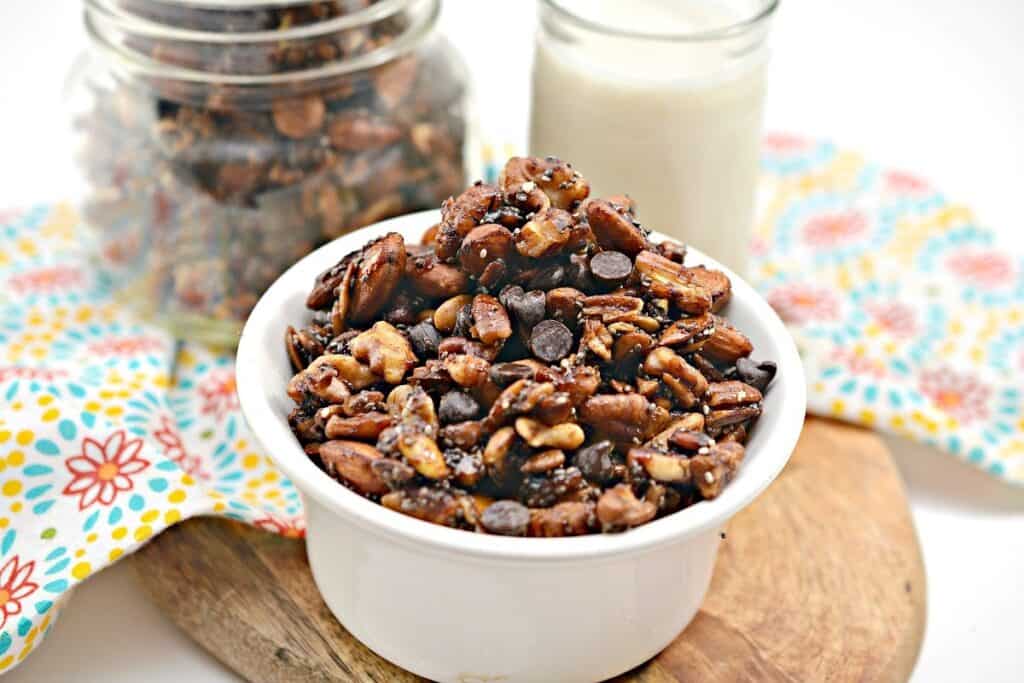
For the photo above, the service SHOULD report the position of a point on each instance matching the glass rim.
(720, 33)
(146, 27)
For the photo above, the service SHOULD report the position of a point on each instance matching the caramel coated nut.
(534, 184)
(672, 281)
(614, 229)
(367, 426)
(490, 320)
(299, 118)
(618, 508)
(727, 344)
(352, 462)
(462, 214)
(545, 461)
(564, 519)
(545, 234)
(660, 466)
(565, 436)
(423, 454)
(385, 350)
(621, 416)
(484, 245)
(445, 315)
(379, 272)
(663, 360)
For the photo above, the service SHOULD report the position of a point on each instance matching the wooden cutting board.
(821, 579)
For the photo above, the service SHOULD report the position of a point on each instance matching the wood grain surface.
(821, 579)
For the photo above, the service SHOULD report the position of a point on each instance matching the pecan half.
(713, 471)
(727, 344)
(672, 281)
(614, 227)
(564, 519)
(462, 214)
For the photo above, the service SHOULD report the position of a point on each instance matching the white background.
(936, 87)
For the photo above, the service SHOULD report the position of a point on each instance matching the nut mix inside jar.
(218, 142)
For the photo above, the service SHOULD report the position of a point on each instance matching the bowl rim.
(774, 447)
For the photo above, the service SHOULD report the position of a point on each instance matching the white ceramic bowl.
(456, 606)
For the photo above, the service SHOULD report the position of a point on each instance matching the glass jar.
(661, 100)
(220, 141)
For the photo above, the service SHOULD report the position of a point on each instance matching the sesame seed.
(712, 442)
(706, 410)
(483, 253)
(703, 450)
(529, 186)
(709, 478)
(741, 395)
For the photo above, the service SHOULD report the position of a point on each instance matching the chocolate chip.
(595, 462)
(548, 278)
(577, 273)
(463, 322)
(506, 518)
(758, 374)
(456, 406)
(551, 341)
(504, 374)
(528, 308)
(508, 294)
(611, 267)
(425, 339)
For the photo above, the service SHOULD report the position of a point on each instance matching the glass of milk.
(661, 100)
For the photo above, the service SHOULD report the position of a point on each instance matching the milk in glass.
(660, 100)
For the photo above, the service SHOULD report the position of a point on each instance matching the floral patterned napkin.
(910, 319)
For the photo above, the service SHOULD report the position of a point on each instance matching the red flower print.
(174, 449)
(15, 586)
(18, 372)
(290, 528)
(985, 269)
(45, 280)
(104, 470)
(904, 183)
(218, 393)
(858, 364)
(802, 303)
(126, 346)
(833, 229)
(898, 319)
(961, 395)
(785, 142)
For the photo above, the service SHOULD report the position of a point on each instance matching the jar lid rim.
(109, 12)
(147, 66)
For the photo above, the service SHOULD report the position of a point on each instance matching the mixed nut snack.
(202, 188)
(535, 367)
